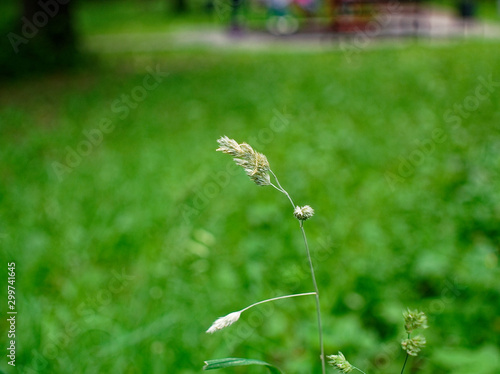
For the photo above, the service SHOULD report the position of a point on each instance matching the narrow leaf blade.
(231, 362)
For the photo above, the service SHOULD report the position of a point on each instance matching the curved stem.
(358, 369)
(277, 298)
(318, 310)
(281, 189)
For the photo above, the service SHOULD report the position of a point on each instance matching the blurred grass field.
(127, 254)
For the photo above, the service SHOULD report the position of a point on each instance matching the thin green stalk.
(281, 189)
(406, 359)
(358, 369)
(318, 309)
(313, 276)
(277, 298)
(404, 365)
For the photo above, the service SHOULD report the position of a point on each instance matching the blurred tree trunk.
(42, 39)
(58, 28)
(179, 6)
(56, 34)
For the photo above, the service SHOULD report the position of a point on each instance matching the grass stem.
(318, 309)
(277, 298)
(406, 359)
(404, 365)
(281, 189)
(358, 369)
(313, 276)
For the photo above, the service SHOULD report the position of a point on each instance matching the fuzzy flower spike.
(231, 318)
(223, 322)
(255, 164)
(303, 213)
(414, 320)
(413, 345)
(340, 362)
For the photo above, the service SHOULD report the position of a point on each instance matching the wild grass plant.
(257, 167)
(432, 240)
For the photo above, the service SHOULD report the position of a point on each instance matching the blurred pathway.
(433, 25)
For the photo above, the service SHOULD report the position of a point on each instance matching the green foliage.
(232, 362)
(125, 261)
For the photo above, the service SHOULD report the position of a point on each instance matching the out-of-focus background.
(130, 235)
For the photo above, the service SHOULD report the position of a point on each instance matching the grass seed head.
(254, 163)
(303, 213)
(414, 320)
(340, 362)
(413, 345)
(223, 322)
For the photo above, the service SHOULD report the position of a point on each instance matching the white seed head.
(229, 146)
(223, 322)
(340, 363)
(255, 164)
(303, 213)
(413, 345)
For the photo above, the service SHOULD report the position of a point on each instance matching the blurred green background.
(131, 235)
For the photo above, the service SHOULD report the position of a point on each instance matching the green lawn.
(130, 233)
